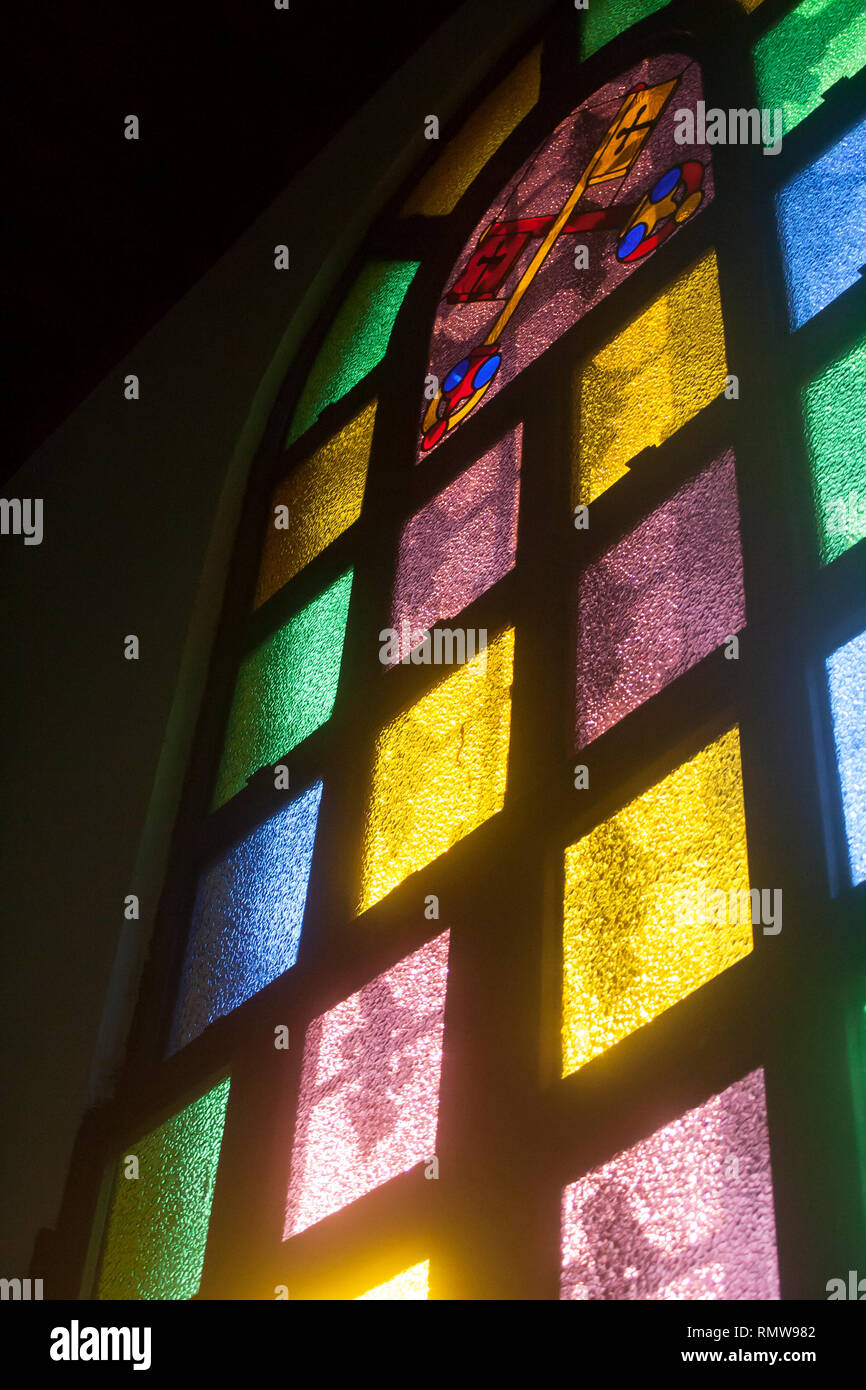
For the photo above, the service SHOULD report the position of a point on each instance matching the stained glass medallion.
(610, 185)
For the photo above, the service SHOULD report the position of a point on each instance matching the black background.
(234, 98)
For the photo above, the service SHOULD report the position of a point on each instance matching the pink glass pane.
(659, 600)
(369, 1095)
(484, 334)
(686, 1214)
(459, 545)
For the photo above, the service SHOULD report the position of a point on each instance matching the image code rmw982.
(782, 1332)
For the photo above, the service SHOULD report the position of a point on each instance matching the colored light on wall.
(659, 600)
(487, 128)
(685, 1214)
(285, 688)
(158, 1224)
(824, 253)
(440, 770)
(807, 53)
(412, 1285)
(323, 498)
(459, 545)
(357, 339)
(604, 19)
(369, 1093)
(657, 373)
(642, 928)
(246, 924)
(846, 674)
(834, 406)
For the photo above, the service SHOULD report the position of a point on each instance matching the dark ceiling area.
(104, 234)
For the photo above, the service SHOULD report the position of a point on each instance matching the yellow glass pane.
(444, 184)
(413, 1283)
(316, 503)
(657, 373)
(656, 902)
(749, 5)
(440, 770)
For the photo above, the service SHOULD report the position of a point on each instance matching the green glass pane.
(802, 56)
(604, 19)
(285, 689)
(357, 339)
(157, 1229)
(834, 405)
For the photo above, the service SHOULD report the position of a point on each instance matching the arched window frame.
(503, 885)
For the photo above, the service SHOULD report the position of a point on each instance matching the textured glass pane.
(413, 1284)
(357, 340)
(659, 600)
(369, 1098)
(834, 405)
(459, 545)
(285, 689)
(487, 128)
(822, 219)
(604, 19)
(685, 1214)
(657, 373)
(246, 924)
(846, 673)
(323, 498)
(806, 53)
(157, 1229)
(440, 770)
(750, 5)
(574, 222)
(643, 924)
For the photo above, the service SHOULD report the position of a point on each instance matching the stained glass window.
(285, 689)
(822, 218)
(660, 599)
(369, 1097)
(160, 1210)
(653, 376)
(846, 673)
(592, 398)
(357, 340)
(685, 1214)
(316, 503)
(808, 52)
(440, 770)
(834, 406)
(457, 546)
(247, 919)
(465, 156)
(611, 180)
(656, 902)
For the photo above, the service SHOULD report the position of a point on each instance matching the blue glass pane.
(846, 673)
(822, 220)
(247, 919)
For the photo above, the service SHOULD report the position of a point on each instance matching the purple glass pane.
(622, 139)
(459, 545)
(685, 1214)
(660, 600)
